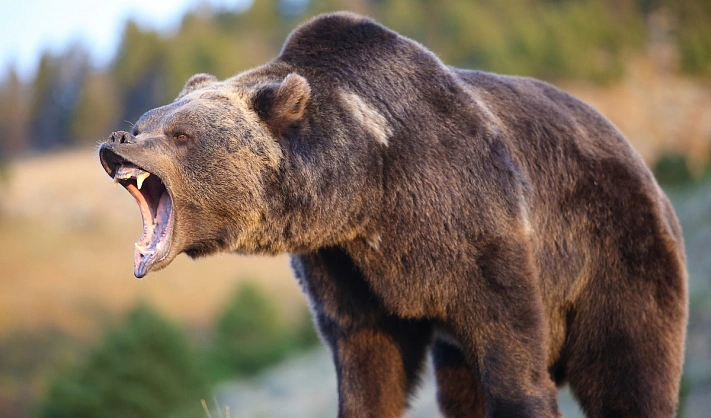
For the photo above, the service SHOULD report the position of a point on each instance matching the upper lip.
(110, 160)
(113, 155)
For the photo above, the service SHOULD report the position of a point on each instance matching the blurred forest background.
(80, 338)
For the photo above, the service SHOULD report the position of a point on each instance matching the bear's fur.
(497, 222)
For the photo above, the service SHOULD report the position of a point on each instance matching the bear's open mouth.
(156, 207)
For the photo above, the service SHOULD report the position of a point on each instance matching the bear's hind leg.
(626, 361)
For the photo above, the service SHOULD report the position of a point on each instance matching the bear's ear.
(197, 81)
(281, 105)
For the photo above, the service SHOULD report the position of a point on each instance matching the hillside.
(66, 252)
(658, 110)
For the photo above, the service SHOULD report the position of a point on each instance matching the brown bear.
(496, 222)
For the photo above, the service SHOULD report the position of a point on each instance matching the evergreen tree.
(13, 115)
(55, 96)
(142, 368)
(96, 110)
(250, 335)
(139, 73)
(550, 39)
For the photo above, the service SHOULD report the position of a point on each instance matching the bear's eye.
(180, 137)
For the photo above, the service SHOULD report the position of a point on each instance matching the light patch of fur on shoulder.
(372, 120)
(491, 120)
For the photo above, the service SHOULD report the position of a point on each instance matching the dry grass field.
(656, 109)
(66, 254)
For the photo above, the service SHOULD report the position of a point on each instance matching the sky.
(29, 27)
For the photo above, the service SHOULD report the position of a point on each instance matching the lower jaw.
(143, 261)
(154, 245)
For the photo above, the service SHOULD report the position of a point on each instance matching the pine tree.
(142, 368)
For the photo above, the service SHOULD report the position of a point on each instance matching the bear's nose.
(122, 137)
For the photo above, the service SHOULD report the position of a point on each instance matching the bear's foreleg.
(378, 357)
(377, 365)
(458, 390)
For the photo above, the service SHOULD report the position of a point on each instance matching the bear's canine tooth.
(116, 181)
(141, 178)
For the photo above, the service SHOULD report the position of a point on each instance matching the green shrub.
(693, 34)
(143, 367)
(251, 335)
(27, 360)
(582, 39)
(673, 169)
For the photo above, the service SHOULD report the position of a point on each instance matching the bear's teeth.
(144, 249)
(116, 181)
(140, 178)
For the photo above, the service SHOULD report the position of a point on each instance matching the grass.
(658, 111)
(208, 414)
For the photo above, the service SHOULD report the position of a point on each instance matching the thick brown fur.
(496, 221)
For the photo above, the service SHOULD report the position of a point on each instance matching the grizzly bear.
(495, 222)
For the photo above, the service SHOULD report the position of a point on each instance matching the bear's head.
(202, 167)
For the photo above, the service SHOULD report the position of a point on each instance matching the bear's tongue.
(154, 244)
(156, 208)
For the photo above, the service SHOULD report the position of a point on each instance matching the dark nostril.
(122, 137)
